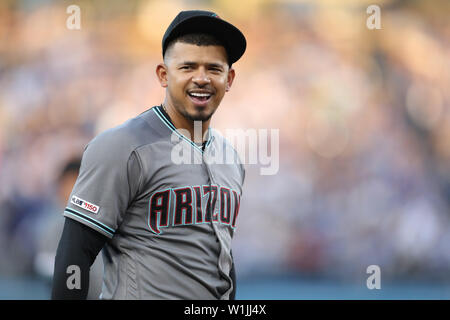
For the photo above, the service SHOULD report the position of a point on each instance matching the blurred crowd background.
(363, 115)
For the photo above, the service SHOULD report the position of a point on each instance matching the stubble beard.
(198, 116)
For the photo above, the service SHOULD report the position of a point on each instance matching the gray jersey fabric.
(169, 225)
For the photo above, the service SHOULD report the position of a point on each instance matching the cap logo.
(215, 15)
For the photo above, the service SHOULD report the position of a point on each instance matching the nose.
(200, 77)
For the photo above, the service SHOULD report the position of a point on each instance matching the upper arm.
(108, 180)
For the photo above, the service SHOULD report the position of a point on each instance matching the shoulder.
(128, 136)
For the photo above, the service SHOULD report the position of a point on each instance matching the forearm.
(78, 247)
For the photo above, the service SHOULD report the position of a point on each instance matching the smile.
(200, 98)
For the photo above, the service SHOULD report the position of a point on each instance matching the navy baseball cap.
(195, 21)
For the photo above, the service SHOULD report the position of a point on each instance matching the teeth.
(195, 94)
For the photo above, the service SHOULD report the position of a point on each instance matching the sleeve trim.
(90, 220)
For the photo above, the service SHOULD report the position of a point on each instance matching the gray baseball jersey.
(169, 225)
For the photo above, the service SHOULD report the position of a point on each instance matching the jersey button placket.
(214, 226)
(211, 183)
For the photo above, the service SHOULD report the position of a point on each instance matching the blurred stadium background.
(364, 125)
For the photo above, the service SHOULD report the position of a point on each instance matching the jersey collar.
(164, 117)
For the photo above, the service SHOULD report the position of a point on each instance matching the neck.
(196, 129)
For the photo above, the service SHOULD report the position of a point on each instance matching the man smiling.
(164, 229)
(199, 70)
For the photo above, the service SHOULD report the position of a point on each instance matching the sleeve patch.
(85, 205)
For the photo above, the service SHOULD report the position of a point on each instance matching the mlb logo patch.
(85, 205)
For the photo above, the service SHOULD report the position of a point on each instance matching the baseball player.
(164, 227)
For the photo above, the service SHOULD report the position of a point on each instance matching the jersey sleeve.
(107, 182)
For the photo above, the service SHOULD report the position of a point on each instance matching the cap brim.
(232, 38)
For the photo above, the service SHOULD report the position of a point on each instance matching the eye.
(215, 69)
(187, 67)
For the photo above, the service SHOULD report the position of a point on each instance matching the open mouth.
(200, 98)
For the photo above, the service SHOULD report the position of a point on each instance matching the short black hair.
(198, 39)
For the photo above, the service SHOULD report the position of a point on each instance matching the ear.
(230, 78)
(161, 73)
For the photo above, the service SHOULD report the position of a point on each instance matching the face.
(196, 79)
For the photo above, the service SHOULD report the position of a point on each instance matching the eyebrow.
(212, 64)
